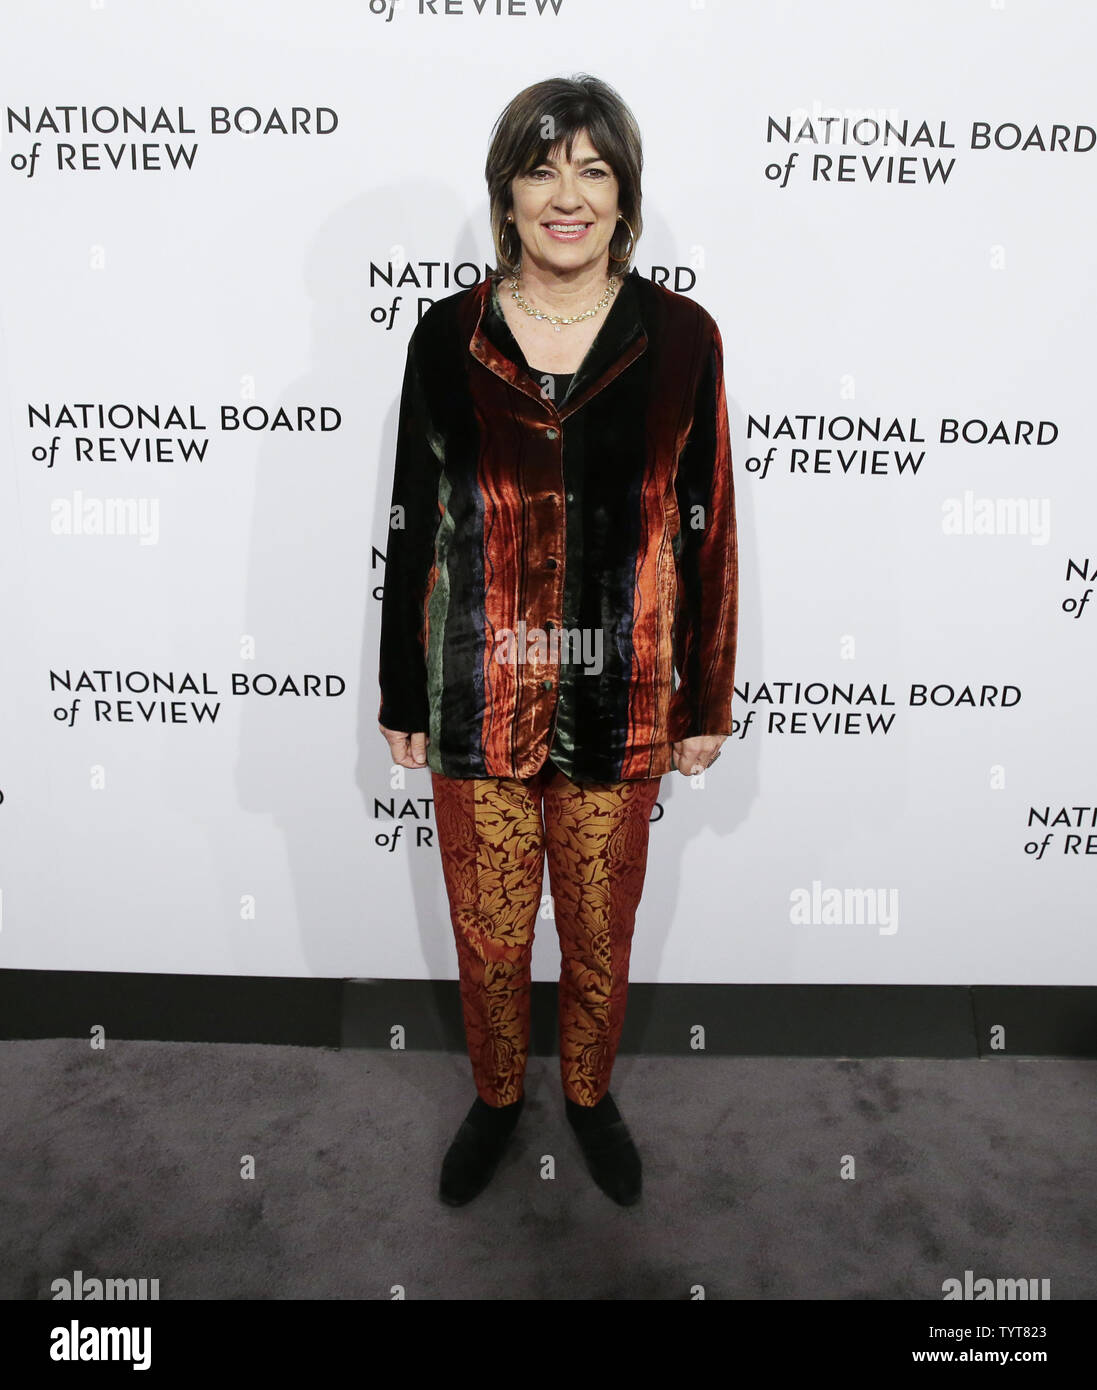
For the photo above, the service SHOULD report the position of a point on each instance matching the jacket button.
(552, 434)
(571, 496)
(550, 563)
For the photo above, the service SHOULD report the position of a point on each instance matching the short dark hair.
(519, 144)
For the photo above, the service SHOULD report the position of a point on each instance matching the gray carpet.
(126, 1163)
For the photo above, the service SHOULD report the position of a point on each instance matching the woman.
(562, 537)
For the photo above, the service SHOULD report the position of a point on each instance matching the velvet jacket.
(561, 577)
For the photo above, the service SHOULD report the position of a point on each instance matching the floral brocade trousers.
(494, 834)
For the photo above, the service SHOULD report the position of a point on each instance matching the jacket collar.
(619, 341)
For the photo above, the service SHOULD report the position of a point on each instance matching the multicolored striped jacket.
(551, 562)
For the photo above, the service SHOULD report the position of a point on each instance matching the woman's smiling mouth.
(567, 231)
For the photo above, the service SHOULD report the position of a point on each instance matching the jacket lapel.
(619, 341)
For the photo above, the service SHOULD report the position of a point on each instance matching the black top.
(560, 382)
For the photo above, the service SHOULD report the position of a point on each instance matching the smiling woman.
(564, 180)
(565, 212)
(605, 511)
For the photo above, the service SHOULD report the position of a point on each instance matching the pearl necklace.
(557, 320)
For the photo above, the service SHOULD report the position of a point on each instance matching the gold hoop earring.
(508, 225)
(623, 260)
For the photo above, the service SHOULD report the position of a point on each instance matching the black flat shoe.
(479, 1144)
(608, 1148)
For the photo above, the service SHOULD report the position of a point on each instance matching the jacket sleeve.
(409, 557)
(707, 613)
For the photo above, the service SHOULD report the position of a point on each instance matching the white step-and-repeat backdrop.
(220, 223)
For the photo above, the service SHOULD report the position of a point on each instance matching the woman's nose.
(567, 193)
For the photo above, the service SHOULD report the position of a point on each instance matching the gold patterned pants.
(494, 834)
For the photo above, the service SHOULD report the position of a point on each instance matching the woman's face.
(566, 210)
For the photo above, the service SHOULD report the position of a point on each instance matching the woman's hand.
(693, 755)
(407, 750)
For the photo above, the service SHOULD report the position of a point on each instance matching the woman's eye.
(539, 175)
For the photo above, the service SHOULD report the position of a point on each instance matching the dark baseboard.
(737, 1020)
